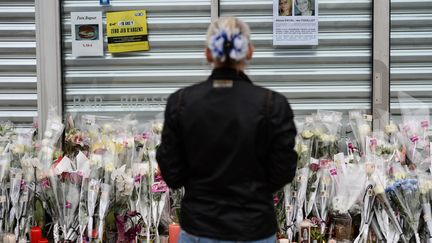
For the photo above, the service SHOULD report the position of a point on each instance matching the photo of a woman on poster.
(304, 7)
(285, 7)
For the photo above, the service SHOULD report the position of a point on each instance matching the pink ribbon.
(333, 171)
(414, 138)
(137, 178)
(159, 187)
(45, 183)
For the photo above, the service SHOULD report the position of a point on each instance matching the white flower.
(95, 159)
(157, 127)
(327, 138)
(390, 129)
(364, 129)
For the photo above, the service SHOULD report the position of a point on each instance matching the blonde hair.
(228, 38)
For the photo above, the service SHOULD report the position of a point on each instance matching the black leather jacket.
(230, 144)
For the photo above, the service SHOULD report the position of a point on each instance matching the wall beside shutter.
(411, 51)
(18, 84)
(335, 75)
(138, 82)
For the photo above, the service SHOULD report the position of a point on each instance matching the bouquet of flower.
(360, 127)
(404, 193)
(350, 184)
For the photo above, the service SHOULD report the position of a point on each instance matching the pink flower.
(314, 167)
(146, 136)
(68, 205)
(23, 184)
(275, 200)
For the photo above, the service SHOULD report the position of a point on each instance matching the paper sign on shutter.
(87, 34)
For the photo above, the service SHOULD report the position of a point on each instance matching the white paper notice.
(295, 22)
(87, 34)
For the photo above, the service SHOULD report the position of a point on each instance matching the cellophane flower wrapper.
(290, 198)
(21, 146)
(301, 182)
(305, 142)
(327, 132)
(367, 214)
(14, 195)
(349, 188)
(360, 127)
(383, 209)
(350, 185)
(103, 207)
(323, 203)
(4, 171)
(425, 186)
(405, 195)
(92, 197)
(415, 128)
(72, 183)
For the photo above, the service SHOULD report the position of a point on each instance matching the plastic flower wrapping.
(352, 184)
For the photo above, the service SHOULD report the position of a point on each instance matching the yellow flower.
(119, 148)
(399, 175)
(370, 168)
(109, 167)
(18, 149)
(307, 134)
(97, 146)
(378, 189)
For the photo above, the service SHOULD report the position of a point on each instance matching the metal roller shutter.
(411, 50)
(138, 82)
(334, 75)
(18, 84)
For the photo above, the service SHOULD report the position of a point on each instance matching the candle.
(43, 240)
(35, 234)
(9, 238)
(283, 241)
(174, 232)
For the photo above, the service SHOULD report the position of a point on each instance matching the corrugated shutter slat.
(334, 75)
(18, 85)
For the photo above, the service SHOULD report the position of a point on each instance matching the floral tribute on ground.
(352, 184)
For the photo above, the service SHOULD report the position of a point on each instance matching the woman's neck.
(237, 66)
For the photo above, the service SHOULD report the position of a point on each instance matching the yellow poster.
(127, 31)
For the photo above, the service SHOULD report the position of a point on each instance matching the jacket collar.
(229, 73)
